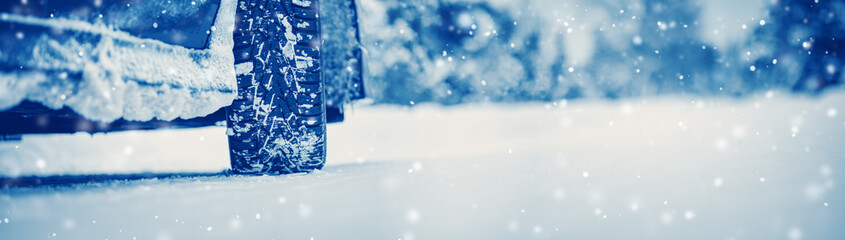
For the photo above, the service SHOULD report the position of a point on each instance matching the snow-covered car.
(275, 72)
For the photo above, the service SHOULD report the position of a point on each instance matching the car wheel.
(277, 123)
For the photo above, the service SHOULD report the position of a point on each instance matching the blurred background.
(454, 52)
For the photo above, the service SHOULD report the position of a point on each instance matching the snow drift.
(104, 73)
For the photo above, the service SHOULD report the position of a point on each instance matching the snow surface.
(122, 75)
(765, 167)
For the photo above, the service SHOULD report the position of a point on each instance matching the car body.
(273, 71)
(102, 66)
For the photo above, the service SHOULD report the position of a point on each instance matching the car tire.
(277, 123)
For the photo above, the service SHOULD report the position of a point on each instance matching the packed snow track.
(767, 167)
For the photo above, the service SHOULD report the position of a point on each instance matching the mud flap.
(342, 61)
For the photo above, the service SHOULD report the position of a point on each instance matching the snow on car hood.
(104, 74)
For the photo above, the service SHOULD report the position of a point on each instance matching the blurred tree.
(664, 56)
(805, 39)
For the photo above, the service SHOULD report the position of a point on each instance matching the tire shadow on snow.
(70, 180)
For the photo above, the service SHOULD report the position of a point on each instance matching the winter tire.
(277, 122)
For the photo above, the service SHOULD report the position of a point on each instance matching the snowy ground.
(766, 167)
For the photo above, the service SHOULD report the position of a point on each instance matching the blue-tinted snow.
(690, 166)
(766, 167)
(105, 68)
